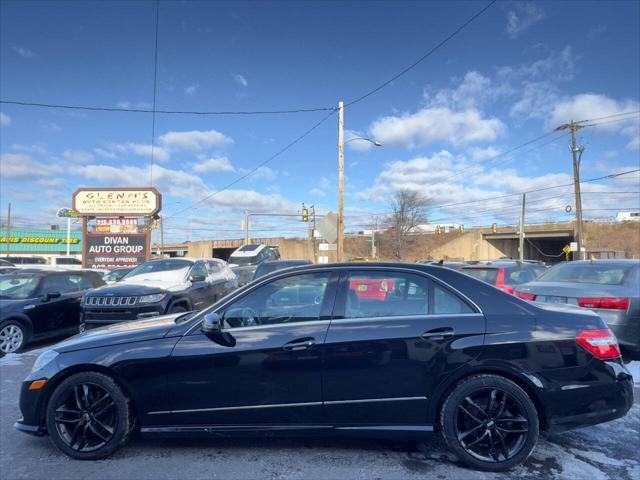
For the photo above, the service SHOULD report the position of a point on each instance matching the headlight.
(44, 359)
(155, 298)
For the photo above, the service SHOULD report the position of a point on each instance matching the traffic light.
(494, 227)
(305, 214)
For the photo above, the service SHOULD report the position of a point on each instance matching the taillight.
(500, 282)
(605, 302)
(602, 343)
(526, 296)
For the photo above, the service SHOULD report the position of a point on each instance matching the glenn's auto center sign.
(114, 235)
(118, 201)
(115, 250)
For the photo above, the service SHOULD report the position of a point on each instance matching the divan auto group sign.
(118, 250)
(119, 201)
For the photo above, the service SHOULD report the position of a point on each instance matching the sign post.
(68, 214)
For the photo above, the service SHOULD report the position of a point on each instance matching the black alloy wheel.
(88, 416)
(490, 423)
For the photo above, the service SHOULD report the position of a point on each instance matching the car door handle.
(301, 344)
(438, 333)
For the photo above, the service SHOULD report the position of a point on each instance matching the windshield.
(156, 266)
(242, 260)
(586, 273)
(18, 286)
(488, 275)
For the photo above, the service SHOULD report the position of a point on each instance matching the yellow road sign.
(566, 249)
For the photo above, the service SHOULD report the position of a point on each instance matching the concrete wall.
(471, 246)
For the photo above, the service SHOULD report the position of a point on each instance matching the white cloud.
(194, 140)
(522, 17)
(144, 150)
(483, 153)
(191, 89)
(77, 156)
(18, 166)
(325, 183)
(262, 173)
(134, 105)
(591, 106)
(436, 124)
(439, 178)
(35, 149)
(101, 152)
(214, 164)
(5, 120)
(240, 80)
(316, 192)
(25, 52)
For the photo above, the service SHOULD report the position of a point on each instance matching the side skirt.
(366, 431)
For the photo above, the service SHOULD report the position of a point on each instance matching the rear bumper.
(581, 404)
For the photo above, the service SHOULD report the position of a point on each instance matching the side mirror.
(197, 278)
(48, 296)
(211, 323)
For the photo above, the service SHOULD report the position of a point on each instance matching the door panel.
(265, 365)
(381, 369)
(258, 380)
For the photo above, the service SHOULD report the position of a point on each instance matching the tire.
(13, 336)
(177, 309)
(496, 416)
(88, 426)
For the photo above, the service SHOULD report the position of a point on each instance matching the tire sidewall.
(22, 328)
(470, 385)
(177, 309)
(122, 405)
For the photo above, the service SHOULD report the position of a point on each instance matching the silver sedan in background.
(611, 288)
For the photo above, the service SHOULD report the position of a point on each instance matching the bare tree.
(410, 209)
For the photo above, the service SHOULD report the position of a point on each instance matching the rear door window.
(386, 294)
(446, 302)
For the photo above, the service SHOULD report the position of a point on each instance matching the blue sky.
(514, 74)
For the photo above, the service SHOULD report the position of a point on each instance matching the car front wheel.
(89, 416)
(490, 423)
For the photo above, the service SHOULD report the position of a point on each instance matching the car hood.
(120, 289)
(121, 332)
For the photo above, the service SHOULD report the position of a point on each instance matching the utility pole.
(340, 246)
(68, 235)
(521, 233)
(313, 232)
(576, 153)
(8, 227)
(161, 252)
(246, 227)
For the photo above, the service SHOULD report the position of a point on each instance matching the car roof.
(291, 262)
(618, 261)
(250, 250)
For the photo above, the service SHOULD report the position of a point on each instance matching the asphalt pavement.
(601, 452)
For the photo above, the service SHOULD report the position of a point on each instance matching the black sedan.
(312, 351)
(40, 304)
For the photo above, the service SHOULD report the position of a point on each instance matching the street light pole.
(340, 251)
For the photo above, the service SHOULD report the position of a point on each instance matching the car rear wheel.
(490, 423)
(13, 336)
(89, 416)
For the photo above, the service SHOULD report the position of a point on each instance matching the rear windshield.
(488, 275)
(243, 260)
(587, 273)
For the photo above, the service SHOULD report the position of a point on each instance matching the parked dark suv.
(39, 304)
(504, 274)
(309, 351)
(158, 287)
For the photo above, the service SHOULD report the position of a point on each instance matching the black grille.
(110, 301)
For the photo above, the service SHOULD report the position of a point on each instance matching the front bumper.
(35, 430)
(97, 317)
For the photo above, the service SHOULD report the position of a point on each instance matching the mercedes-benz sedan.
(307, 351)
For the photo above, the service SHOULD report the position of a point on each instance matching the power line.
(423, 57)
(252, 171)
(634, 112)
(165, 112)
(155, 81)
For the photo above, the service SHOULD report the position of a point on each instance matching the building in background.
(39, 242)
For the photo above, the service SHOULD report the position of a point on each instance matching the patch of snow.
(598, 457)
(11, 359)
(634, 368)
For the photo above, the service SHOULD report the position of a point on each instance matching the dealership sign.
(116, 201)
(117, 250)
(117, 224)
